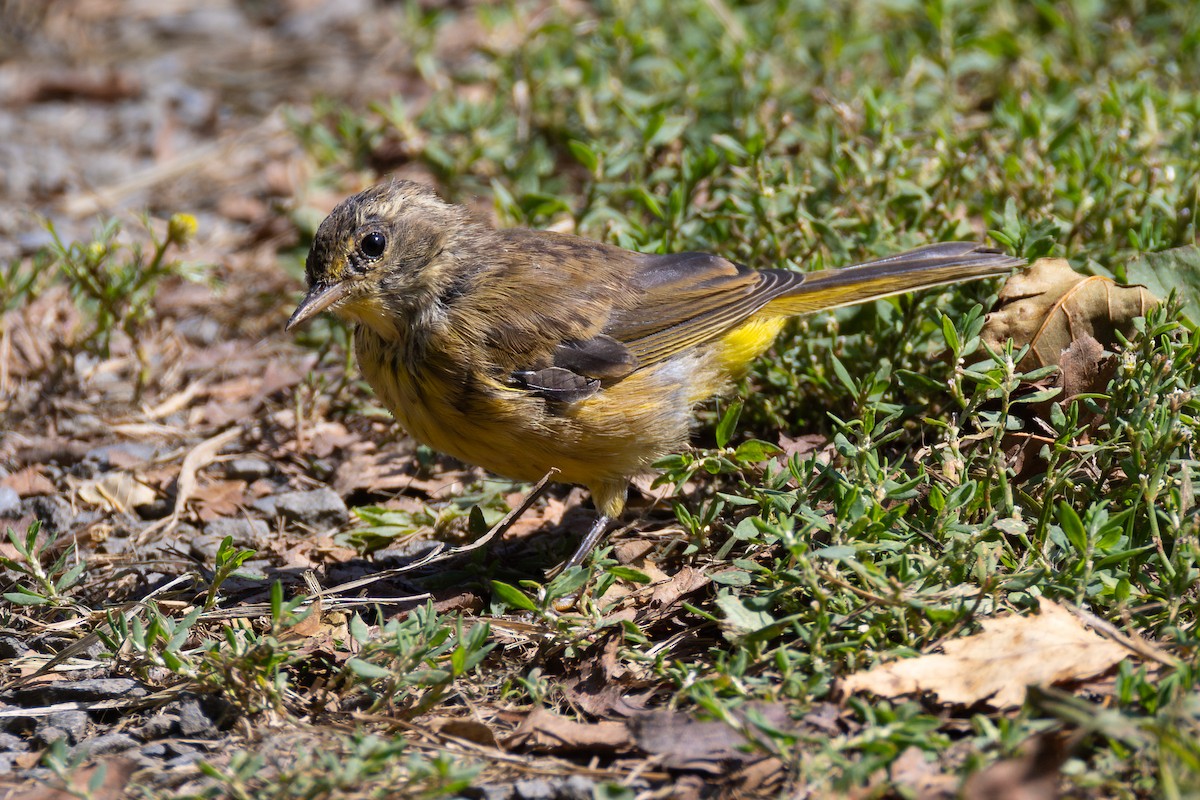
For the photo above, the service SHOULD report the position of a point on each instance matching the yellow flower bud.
(181, 228)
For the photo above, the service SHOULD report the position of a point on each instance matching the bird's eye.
(372, 245)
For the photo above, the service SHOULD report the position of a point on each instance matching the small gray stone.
(266, 505)
(245, 532)
(193, 722)
(12, 647)
(129, 451)
(69, 725)
(12, 744)
(159, 726)
(199, 330)
(317, 508)
(248, 469)
(184, 760)
(34, 240)
(577, 787)
(155, 750)
(535, 789)
(46, 735)
(204, 547)
(10, 502)
(54, 512)
(495, 791)
(108, 743)
(79, 691)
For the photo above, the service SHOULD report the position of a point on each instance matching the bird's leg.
(599, 527)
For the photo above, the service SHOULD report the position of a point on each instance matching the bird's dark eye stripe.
(373, 244)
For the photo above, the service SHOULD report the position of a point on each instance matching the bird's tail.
(923, 268)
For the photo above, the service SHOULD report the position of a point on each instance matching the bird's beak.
(317, 300)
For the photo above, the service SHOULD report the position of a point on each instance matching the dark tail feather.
(923, 268)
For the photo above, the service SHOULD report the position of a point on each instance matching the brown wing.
(603, 312)
(685, 299)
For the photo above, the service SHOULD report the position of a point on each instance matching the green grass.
(812, 134)
(807, 135)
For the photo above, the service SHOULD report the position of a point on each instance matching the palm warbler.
(521, 350)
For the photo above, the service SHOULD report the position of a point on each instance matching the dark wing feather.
(600, 357)
(557, 384)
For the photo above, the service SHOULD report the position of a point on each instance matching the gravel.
(319, 508)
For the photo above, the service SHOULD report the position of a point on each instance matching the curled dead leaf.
(1050, 305)
(547, 732)
(117, 491)
(998, 663)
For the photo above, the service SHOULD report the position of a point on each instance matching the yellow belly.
(601, 441)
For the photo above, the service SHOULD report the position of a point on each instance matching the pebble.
(155, 750)
(193, 722)
(316, 508)
(249, 469)
(69, 725)
(12, 744)
(108, 743)
(78, 691)
(125, 453)
(10, 502)
(160, 726)
(199, 330)
(184, 759)
(54, 512)
(535, 789)
(245, 532)
(12, 647)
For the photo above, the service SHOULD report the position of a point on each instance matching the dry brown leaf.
(998, 663)
(220, 499)
(1033, 775)
(1049, 305)
(921, 776)
(117, 491)
(28, 482)
(682, 583)
(117, 772)
(472, 730)
(545, 731)
(685, 743)
(602, 687)
(803, 445)
(1085, 368)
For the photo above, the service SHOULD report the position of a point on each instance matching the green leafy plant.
(41, 584)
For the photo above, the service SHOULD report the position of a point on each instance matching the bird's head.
(375, 258)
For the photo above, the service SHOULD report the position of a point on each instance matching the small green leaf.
(23, 597)
(365, 669)
(843, 375)
(1072, 526)
(732, 577)
(745, 616)
(359, 630)
(950, 334)
(477, 523)
(728, 423)
(1177, 269)
(754, 451)
(584, 155)
(629, 574)
(513, 596)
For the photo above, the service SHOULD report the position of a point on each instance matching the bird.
(525, 351)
